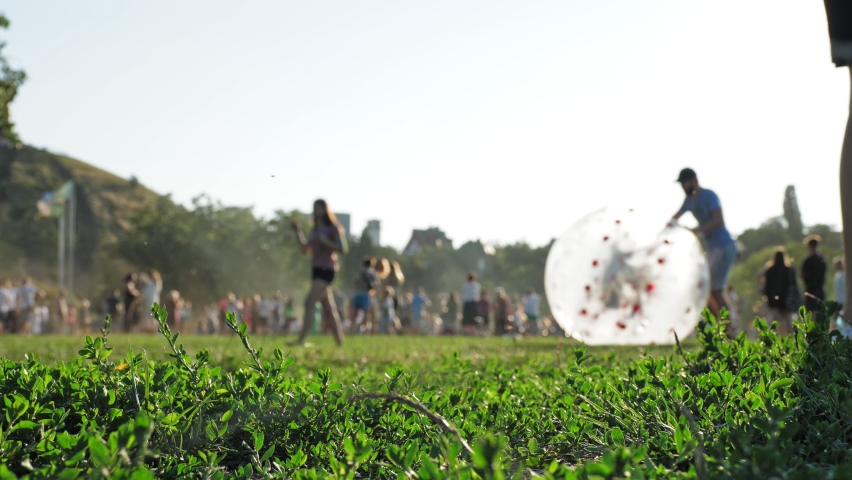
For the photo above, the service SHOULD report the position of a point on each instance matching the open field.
(432, 408)
(361, 353)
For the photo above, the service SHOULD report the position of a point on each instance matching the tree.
(10, 81)
(795, 228)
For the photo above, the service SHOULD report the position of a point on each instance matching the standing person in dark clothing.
(501, 312)
(780, 280)
(484, 312)
(113, 306)
(470, 304)
(813, 273)
(131, 302)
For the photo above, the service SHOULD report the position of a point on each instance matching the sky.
(497, 120)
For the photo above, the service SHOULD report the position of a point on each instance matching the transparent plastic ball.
(623, 277)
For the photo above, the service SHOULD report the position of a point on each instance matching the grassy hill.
(28, 245)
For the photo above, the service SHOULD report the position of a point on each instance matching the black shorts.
(324, 274)
(839, 13)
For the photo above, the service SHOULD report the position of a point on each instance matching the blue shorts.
(361, 301)
(720, 260)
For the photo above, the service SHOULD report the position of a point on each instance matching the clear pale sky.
(498, 120)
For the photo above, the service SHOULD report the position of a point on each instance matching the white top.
(470, 292)
(27, 294)
(151, 294)
(264, 308)
(532, 304)
(839, 286)
(8, 296)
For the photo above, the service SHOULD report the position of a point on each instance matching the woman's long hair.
(328, 217)
(781, 258)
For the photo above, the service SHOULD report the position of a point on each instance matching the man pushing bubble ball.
(720, 246)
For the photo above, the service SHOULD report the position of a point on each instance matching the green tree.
(793, 217)
(10, 81)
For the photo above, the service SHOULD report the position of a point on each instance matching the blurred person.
(41, 314)
(532, 307)
(780, 290)
(73, 324)
(325, 241)
(403, 312)
(26, 303)
(501, 312)
(255, 314)
(484, 310)
(7, 305)
(470, 304)
(85, 316)
(839, 16)
(276, 322)
(813, 273)
(451, 313)
(152, 288)
(291, 321)
(113, 306)
(340, 303)
(519, 319)
(419, 302)
(387, 314)
(132, 299)
(174, 306)
(721, 249)
(264, 315)
(734, 312)
(245, 307)
(62, 314)
(365, 286)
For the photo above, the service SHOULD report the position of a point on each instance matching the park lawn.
(374, 354)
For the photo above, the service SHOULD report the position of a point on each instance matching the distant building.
(424, 239)
(374, 230)
(345, 221)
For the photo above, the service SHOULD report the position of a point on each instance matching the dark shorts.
(470, 310)
(324, 274)
(839, 13)
(361, 301)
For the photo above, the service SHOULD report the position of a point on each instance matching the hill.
(28, 244)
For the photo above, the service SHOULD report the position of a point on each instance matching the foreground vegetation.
(776, 407)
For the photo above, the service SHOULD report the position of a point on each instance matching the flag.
(52, 203)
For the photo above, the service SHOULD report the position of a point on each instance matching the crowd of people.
(25, 309)
(780, 284)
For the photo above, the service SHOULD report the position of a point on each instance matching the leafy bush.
(773, 408)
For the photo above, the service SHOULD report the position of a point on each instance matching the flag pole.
(61, 269)
(72, 232)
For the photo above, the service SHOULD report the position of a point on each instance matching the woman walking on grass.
(325, 241)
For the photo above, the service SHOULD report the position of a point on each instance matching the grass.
(429, 408)
(361, 353)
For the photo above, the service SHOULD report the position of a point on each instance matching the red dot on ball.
(688, 309)
(661, 261)
(618, 221)
(649, 287)
(588, 287)
(636, 308)
(666, 242)
(606, 238)
(583, 311)
(594, 263)
(621, 325)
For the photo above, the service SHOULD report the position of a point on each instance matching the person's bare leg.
(846, 194)
(331, 316)
(317, 288)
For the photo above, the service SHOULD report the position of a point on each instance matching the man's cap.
(686, 174)
(812, 238)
